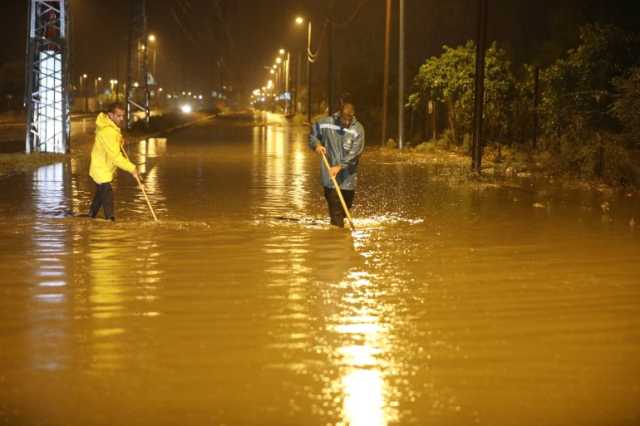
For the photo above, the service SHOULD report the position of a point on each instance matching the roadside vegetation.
(577, 117)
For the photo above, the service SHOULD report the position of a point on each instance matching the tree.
(579, 88)
(584, 118)
(448, 79)
(627, 105)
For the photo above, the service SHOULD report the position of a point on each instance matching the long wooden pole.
(337, 187)
(153, 213)
(141, 186)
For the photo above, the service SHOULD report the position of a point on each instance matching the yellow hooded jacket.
(106, 155)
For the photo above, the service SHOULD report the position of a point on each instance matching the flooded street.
(448, 305)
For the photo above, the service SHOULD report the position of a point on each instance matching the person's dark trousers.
(104, 199)
(336, 212)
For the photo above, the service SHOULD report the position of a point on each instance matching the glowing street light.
(299, 20)
(278, 60)
(153, 51)
(271, 71)
(282, 51)
(83, 90)
(96, 83)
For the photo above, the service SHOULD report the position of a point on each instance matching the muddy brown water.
(448, 306)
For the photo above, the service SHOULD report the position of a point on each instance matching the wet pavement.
(448, 306)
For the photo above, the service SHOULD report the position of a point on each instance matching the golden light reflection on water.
(365, 394)
(307, 325)
(147, 152)
(108, 272)
(50, 311)
(280, 174)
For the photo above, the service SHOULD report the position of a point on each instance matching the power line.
(351, 18)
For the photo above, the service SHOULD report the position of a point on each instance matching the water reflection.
(367, 400)
(147, 154)
(50, 310)
(280, 175)
(482, 313)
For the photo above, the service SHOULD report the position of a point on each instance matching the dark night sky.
(247, 33)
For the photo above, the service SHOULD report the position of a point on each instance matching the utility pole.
(481, 41)
(47, 77)
(536, 101)
(401, 76)
(288, 82)
(385, 89)
(138, 39)
(330, 64)
(296, 98)
(311, 58)
(309, 91)
(145, 69)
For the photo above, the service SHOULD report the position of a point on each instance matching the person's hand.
(321, 150)
(334, 170)
(137, 176)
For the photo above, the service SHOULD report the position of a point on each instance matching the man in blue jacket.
(341, 138)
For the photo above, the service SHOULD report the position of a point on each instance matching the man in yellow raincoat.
(106, 156)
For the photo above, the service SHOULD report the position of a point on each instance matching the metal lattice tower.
(47, 98)
(138, 96)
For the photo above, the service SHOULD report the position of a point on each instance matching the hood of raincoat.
(106, 154)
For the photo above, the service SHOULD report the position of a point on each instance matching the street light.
(281, 51)
(311, 58)
(154, 57)
(278, 60)
(83, 90)
(112, 83)
(95, 86)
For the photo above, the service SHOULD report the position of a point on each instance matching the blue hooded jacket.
(344, 146)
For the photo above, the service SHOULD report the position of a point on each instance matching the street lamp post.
(113, 83)
(401, 75)
(288, 87)
(83, 90)
(154, 56)
(95, 87)
(285, 63)
(311, 57)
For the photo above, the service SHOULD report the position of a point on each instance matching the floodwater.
(448, 306)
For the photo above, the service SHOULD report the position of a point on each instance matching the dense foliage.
(587, 105)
